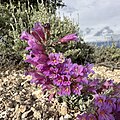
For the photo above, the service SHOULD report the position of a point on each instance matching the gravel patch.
(19, 100)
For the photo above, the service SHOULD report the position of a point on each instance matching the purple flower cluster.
(54, 70)
(106, 108)
(69, 37)
(58, 74)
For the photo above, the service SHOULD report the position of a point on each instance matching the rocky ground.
(19, 100)
(101, 71)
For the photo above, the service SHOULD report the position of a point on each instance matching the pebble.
(38, 93)
(22, 108)
(36, 113)
(64, 108)
(26, 114)
(67, 116)
(61, 118)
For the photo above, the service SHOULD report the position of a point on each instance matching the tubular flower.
(99, 100)
(91, 117)
(38, 32)
(108, 84)
(104, 113)
(118, 104)
(37, 78)
(66, 80)
(76, 70)
(69, 37)
(111, 102)
(82, 117)
(58, 80)
(26, 36)
(88, 69)
(55, 58)
(64, 90)
(76, 89)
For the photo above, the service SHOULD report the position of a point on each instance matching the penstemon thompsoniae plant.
(59, 76)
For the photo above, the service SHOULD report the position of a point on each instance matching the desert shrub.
(49, 4)
(108, 56)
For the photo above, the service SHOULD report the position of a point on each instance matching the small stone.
(17, 98)
(22, 108)
(64, 108)
(38, 94)
(36, 113)
(61, 118)
(3, 114)
(27, 114)
(77, 114)
(51, 118)
(17, 108)
(67, 116)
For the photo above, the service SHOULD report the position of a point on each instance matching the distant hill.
(100, 36)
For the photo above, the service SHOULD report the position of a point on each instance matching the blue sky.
(93, 13)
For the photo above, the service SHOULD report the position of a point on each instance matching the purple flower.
(104, 113)
(91, 117)
(32, 42)
(111, 102)
(53, 72)
(82, 117)
(36, 59)
(99, 100)
(38, 32)
(92, 86)
(69, 37)
(88, 69)
(61, 58)
(93, 83)
(66, 80)
(76, 70)
(28, 37)
(76, 88)
(42, 58)
(118, 104)
(47, 85)
(117, 115)
(82, 80)
(55, 58)
(58, 81)
(37, 78)
(66, 67)
(64, 90)
(25, 36)
(31, 60)
(108, 83)
(44, 69)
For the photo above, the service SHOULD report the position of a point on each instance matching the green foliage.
(50, 5)
(110, 54)
(78, 103)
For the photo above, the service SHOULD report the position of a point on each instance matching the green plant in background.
(108, 56)
(50, 5)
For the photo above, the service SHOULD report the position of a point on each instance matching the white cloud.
(93, 12)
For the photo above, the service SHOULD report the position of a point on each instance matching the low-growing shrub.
(108, 56)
